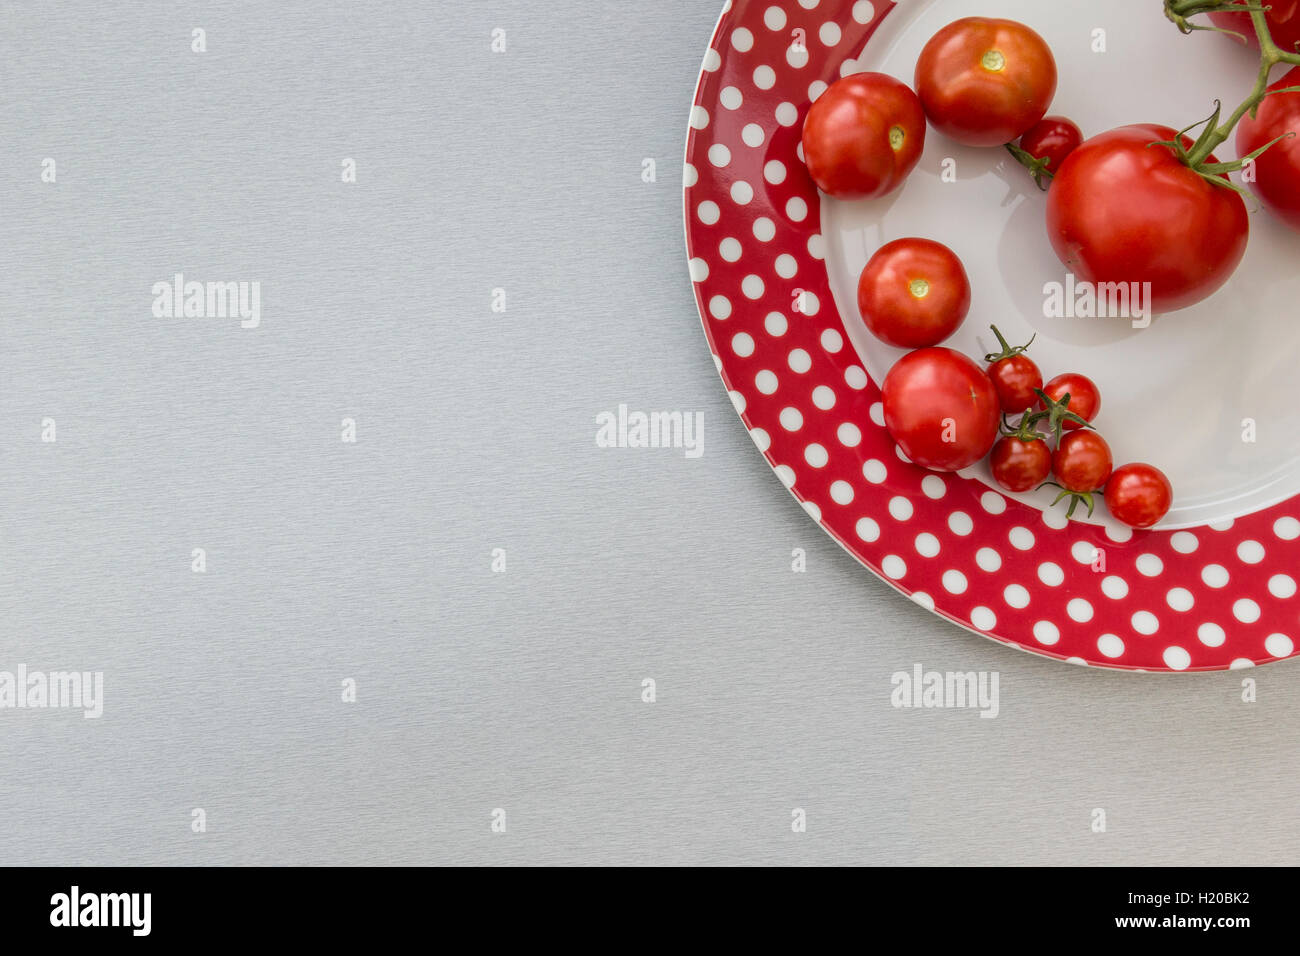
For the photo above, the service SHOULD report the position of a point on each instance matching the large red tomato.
(1123, 210)
(863, 135)
(984, 81)
(1277, 171)
(941, 408)
(1283, 23)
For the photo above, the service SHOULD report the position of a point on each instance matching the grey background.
(476, 429)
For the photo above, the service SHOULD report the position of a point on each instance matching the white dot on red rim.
(708, 212)
(876, 412)
(988, 560)
(796, 56)
(791, 419)
(1045, 632)
(764, 229)
(766, 381)
(731, 98)
(752, 286)
(690, 175)
(719, 155)
(742, 39)
(799, 361)
(1085, 552)
(849, 434)
(1214, 575)
(742, 343)
(993, 502)
(1245, 610)
(954, 581)
(720, 307)
(900, 508)
(855, 377)
(787, 114)
(1050, 573)
(712, 60)
(774, 18)
(786, 474)
(1079, 609)
(764, 77)
(923, 599)
(926, 544)
(867, 529)
(816, 455)
(1251, 552)
(730, 249)
(742, 193)
(813, 509)
(893, 566)
(983, 618)
(960, 523)
(1211, 635)
(786, 265)
(1110, 645)
(776, 324)
(829, 33)
(774, 172)
(873, 469)
(796, 209)
(1114, 587)
(1016, 596)
(1022, 539)
(841, 492)
(1282, 586)
(933, 486)
(1149, 564)
(1287, 528)
(863, 11)
(699, 117)
(1279, 645)
(823, 397)
(699, 270)
(1144, 622)
(737, 401)
(1184, 542)
(1180, 599)
(1176, 658)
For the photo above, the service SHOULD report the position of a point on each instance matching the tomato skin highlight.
(1052, 138)
(1123, 210)
(913, 293)
(1085, 396)
(1283, 24)
(1139, 495)
(1082, 462)
(1015, 379)
(941, 408)
(863, 136)
(984, 81)
(1019, 465)
(1277, 171)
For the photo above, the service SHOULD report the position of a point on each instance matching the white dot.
(1114, 587)
(761, 438)
(775, 323)
(900, 508)
(1288, 528)
(1144, 622)
(712, 60)
(752, 286)
(873, 469)
(786, 474)
(841, 492)
(863, 11)
(787, 114)
(720, 307)
(829, 34)
(1177, 658)
(849, 434)
(719, 155)
(923, 599)
(742, 343)
(927, 545)
(765, 381)
(1240, 662)
(893, 566)
(1149, 565)
(934, 487)
(1252, 552)
(855, 377)
(1184, 542)
(690, 175)
(954, 581)
(1022, 539)
(741, 192)
(742, 39)
(1084, 552)
(791, 419)
(774, 172)
(816, 455)
(867, 529)
(1279, 645)
(1211, 635)
(796, 209)
(1079, 610)
(1214, 575)
(774, 18)
(813, 509)
(752, 134)
(848, 66)
(799, 361)
(817, 246)
(708, 212)
(988, 560)
(1110, 645)
(765, 79)
(1245, 610)
(1282, 586)
(729, 248)
(699, 270)
(699, 117)
(1223, 525)
(993, 502)
(832, 341)
(823, 397)
(1180, 599)
(1116, 532)
(764, 229)
(1055, 518)
(1045, 632)
(809, 4)
(808, 303)
(738, 401)
(1050, 573)
(983, 618)
(960, 523)
(796, 55)
(786, 265)
(1016, 596)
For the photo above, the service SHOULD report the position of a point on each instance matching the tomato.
(1123, 210)
(1082, 462)
(1015, 378)
(1085, 396)
(1277, 171)
(1052, 139)
(863, 135)
(1019, 464)
(1139, 495)
(1283, 23)
(984, 81)
(913, 293)
(941, 409)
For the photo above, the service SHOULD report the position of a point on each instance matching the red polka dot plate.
(773, 265)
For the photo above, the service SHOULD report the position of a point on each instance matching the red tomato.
(1052, 138)
(1015, 378)
(1122, 210)
(1139, 495)
(1283, 24)
(1277, 171)
(1085, 396)
(984, 81)
(941, 409)
(863, 135)
(1019, 464)
(1082, 462)
(913, 293)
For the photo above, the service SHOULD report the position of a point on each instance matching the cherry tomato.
(863, 135)
(1052, 138)
(1085, 397)
(1139, 495)
(1277, 171)
(1082, 462)
(1123, 210)
(1283, 24)
(1015, 377)
(984, 81)
(941, 409)
(913, 293)
(1020, 464)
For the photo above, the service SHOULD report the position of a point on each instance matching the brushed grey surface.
(475, 431)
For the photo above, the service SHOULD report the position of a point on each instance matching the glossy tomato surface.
(1283, 24)
(1082, 461)
(913, 293)
(1052, 138)
(1015, 377)
(985, 81)
(1139, 494)
(941, 409)
(1277, 171)
(1020, 464)
(863, 135)
(1085, 396)
(1124, 210)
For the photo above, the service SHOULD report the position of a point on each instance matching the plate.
(774, 267)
